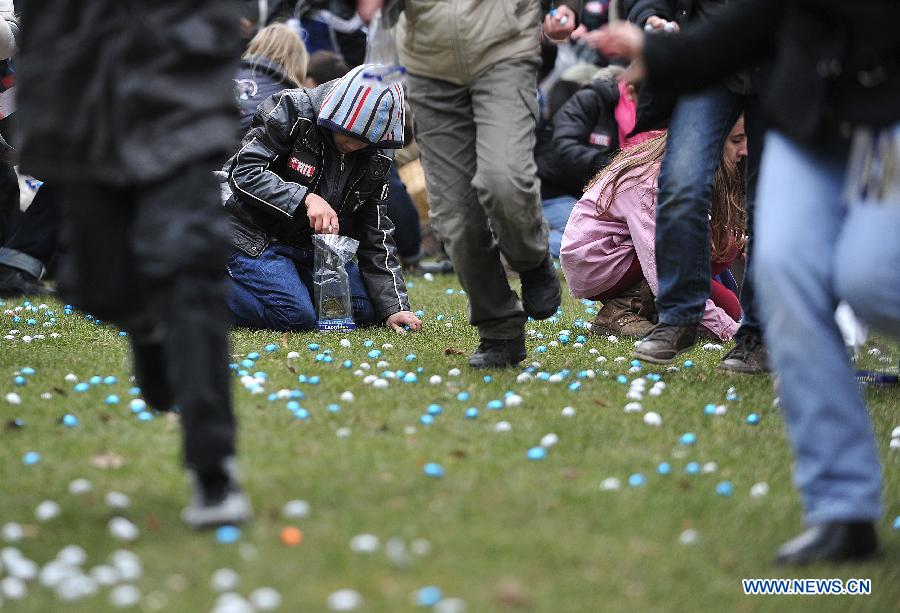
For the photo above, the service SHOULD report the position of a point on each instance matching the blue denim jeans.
(813, 250)
(556, 211)
(275, 291)
(697, 132)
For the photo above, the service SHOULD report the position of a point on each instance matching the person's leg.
(798, 223)
(268, 293)
(9, 200)
(755, 128)
(31, 247)
(35, 233)
(445, 131)
(697, 132)
(867, 261)
(402, 211)
(556, 211)
(749, 355)
(505, 107)
(725, 299)
(179, 244)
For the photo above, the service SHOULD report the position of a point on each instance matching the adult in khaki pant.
(472, 86)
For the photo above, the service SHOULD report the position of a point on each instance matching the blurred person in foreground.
(826, 226)
(127, 107)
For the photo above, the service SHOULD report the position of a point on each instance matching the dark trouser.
(33, 243)
(152, 259)
(9, 200)
(402, 211)
(477, 142)
(697, 132)
(275, 291)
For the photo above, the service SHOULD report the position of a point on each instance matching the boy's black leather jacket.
(285, 156)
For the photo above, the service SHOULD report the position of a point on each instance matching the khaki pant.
(477, 143)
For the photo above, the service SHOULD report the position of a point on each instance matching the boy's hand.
(398, 320)
(322, 217)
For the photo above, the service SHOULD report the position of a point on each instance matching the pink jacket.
(596, 252)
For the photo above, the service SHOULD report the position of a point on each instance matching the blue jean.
(697, 132)
(556, 211)
(275, 291)
(813, 250)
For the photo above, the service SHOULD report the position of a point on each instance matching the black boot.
(830, 542)
(541, 291)
(15, 282)
(216, 498)
(665, 342)
(498, 353)
(748, 356)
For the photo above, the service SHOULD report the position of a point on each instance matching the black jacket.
(257, 79)
(835, 64)
(125, 93)
(582, 138)
(286, 156)
(638, 11)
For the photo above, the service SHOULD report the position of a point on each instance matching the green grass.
(506, 533)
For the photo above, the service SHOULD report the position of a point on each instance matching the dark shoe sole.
(509, 364)
(741, 370)
(799, 561)
(637, 355)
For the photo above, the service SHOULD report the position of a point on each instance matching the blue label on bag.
(344, 324)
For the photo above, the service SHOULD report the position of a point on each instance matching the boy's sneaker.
(541, 291)
(664, 343)
(498, 353)
(216, 499)
(747, 357)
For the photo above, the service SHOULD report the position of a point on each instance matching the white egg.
(549, 440)
(653, 418)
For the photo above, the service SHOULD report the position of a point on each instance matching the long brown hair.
(728, 221)
(283, 45)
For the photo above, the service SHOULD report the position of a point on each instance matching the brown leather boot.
(623, 315)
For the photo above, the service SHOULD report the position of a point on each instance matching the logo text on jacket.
(307, 170)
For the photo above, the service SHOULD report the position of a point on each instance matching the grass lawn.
(500, 531)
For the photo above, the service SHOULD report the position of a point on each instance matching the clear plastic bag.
(334, 309)
(381, 51)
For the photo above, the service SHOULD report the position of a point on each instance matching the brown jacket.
(457, 40)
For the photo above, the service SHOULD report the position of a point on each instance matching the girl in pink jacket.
(608, 249)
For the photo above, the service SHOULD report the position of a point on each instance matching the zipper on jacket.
(342, 162)
(350, 191)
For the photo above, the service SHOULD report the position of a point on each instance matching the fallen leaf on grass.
(107, 461)
(12, 424)
(511, 593)
(600, 402)
(452, 351)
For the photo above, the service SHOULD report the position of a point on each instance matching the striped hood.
(365, 109)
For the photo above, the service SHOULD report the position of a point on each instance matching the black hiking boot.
(664, 343)
(498, 353)
(747, 357)
(541, 291)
